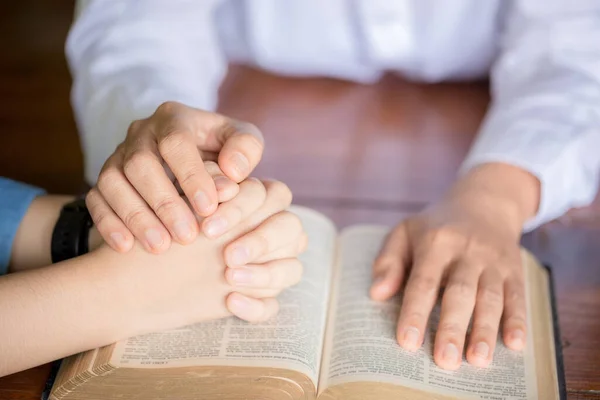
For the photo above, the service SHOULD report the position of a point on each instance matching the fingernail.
(202, 202)
(240, 256)
(451, 353)
(240, 305)
(241, 164)
(241, 276)
(215, 226)
(411, 338)
(118, 240)
(221, 182)
(482, 350)
(183, 230)
(518, 338)
(154, 238)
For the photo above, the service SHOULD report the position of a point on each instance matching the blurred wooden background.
(358, 153)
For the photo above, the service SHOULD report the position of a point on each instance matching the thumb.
(243, 146)
(389, 268)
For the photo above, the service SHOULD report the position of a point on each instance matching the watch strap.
(71, 233)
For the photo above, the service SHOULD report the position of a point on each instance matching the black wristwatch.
(71, 233)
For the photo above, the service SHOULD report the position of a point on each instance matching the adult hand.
(468, 244)
(138, 190)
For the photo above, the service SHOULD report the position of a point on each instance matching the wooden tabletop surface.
(357, 153)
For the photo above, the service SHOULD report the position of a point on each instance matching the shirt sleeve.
(545, 114)
(15, 199)
(129, 56)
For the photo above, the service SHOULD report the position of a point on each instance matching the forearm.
(52, 312)
(31, 247)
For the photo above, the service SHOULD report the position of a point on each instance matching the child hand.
(193, 283)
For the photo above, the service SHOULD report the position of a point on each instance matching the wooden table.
(358, 153)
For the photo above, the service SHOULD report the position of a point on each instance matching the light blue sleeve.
(15, 199)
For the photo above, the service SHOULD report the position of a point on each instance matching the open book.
(329, 341)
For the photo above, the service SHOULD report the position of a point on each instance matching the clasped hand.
(162, 181)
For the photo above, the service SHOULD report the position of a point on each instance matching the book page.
(361, 339)
(291, 340)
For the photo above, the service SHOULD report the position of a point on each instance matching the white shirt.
(129, 56)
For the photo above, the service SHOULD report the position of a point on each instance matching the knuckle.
(415, 317)
(444, 237)
(172, 143)
(137, 162)
(262, 242)
(212, 168)
(134, 218)
(460, 289)
(515, 294)
(234, 213)
(483, 251)
(484, 329)
(450, 328)
(188, 176)
(490, 295)
(107, 178)
(515, 321)
(258, 244)
(134, 128)
(256, 187)
(168, 107)
(280, 192)
(424, 284)
(165, 205)
(290, 221)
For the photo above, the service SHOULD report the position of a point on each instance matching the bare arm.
(49, 312)
(31, 248)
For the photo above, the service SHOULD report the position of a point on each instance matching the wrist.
(31, 247)
(95, 240)
(509, 189)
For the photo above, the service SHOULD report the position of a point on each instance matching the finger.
(389, 269)
(277, 231)
(291, 250)
(144, 170)
(457, 307)
(287, 251)
(178, 148)
(279, 198)
(132, 209)
(252, 310)
(111, 228)
(303, 243)
(486, 319)
(277, 274)
(226, 188)
(251, 197)
(515, 314)
(420, 295)
(243, 146)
